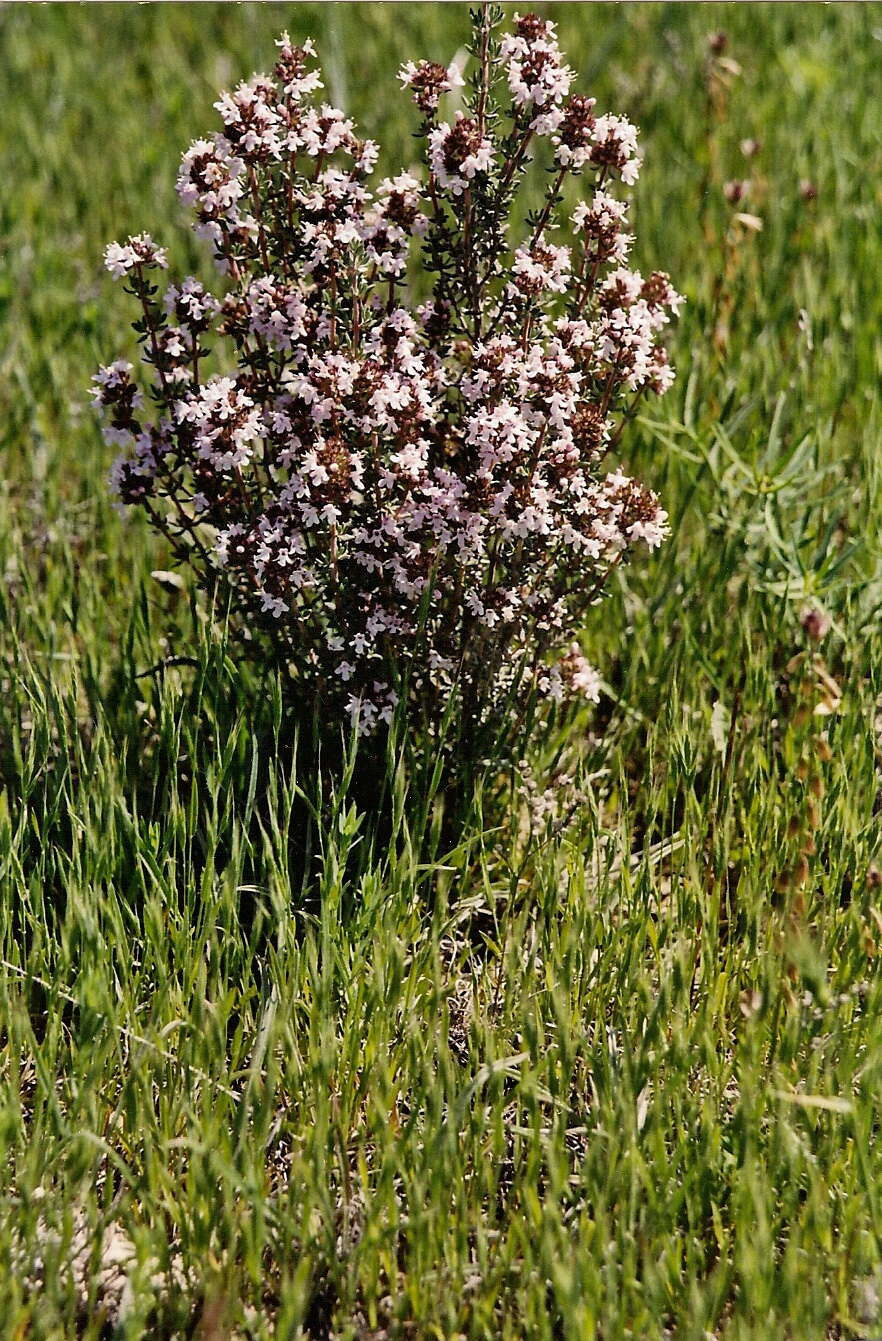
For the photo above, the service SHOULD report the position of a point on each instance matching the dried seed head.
(815, 623)
(736, 191)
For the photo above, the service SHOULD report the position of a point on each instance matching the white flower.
(119, 259)
(458, 153)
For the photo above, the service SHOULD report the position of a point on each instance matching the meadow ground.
(624, 1082)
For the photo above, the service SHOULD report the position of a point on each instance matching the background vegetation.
(620, 1082)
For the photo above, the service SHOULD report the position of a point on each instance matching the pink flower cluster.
(406, 501)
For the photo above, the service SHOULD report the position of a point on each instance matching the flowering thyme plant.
(404, 502)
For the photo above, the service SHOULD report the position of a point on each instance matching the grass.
(619, 1081)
